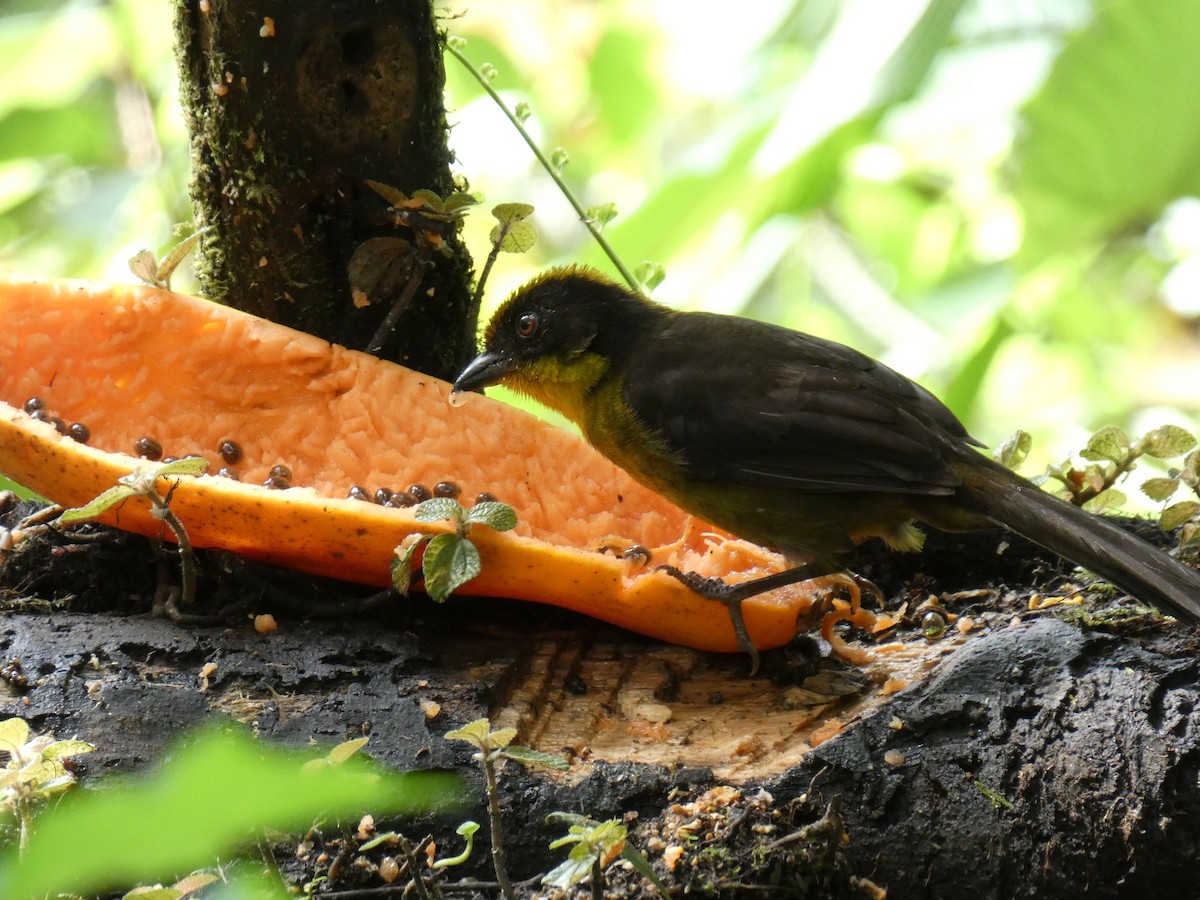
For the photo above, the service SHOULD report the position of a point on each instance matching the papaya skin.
(131, 361)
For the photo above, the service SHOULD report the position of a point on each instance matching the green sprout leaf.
(480, 734)
(450, 562)
(1013, 451)
(531, 757)
(437, 509)
(402, 562)
(99, 505)
(515, 238)
(392, 195)
(602, 213)
(1160, 489)
(1178, 514)
(177, 254)
(467, 830)
(158, 272)
(494, 514)
(1110, 498)
(136, 483)
(14, 733)
(1110, 443)
(458, 203)
(594, 841)
(559, 158)
(507, 213)
(1168, 441)
(346, 749)
(522, 111)
(650, 275)
(431, 200)
(188, 465)
(144, 266)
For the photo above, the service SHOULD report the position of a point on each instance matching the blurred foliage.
(219, 791)
(93, 153)
(998, 197)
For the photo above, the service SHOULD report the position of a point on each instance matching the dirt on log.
(1040, 758)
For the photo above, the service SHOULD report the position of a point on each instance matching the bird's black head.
(546, 328)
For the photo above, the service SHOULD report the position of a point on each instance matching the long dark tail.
(1134, 566)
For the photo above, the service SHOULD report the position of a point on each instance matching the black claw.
(715, 589)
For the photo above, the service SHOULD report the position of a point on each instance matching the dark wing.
(775, 407)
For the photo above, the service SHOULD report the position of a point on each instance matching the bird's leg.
(732, 595)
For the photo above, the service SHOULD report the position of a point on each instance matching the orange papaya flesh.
(131, 361)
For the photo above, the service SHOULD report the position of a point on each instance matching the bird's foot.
(731, 595)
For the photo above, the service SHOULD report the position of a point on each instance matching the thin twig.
(384, 331)
(493, 797)
(550, 169)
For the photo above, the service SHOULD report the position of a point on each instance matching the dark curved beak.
(487, 368)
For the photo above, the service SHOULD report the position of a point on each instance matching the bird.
(788, 440)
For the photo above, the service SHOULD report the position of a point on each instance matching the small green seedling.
(33, 771)
(184, 889)
(450, 560)
(596, 846)
(512, 233)
(158, 272)
(493, 746)
(1112, 454)
(466, 830)
(336, 756)
(145, 484)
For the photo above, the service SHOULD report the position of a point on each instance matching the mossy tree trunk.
(292, 105)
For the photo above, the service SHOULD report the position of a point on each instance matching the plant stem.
(187, 559)
(550, 170)
(493, 798)
(384, 331)
(472, 321)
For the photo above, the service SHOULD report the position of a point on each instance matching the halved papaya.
(132, 362)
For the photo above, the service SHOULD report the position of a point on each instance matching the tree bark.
(1038, 760)
(292, 107)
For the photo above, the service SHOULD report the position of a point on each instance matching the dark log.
(1039, 759)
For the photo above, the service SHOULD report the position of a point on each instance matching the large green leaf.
(218, 792)
(1113, 134)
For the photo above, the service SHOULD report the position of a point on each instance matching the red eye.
(527, 325)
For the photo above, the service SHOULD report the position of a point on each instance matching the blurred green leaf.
(85, 130)
(218, 791)
(1112, 136)
(908, 66)
(1168, 441)
(623, 86)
